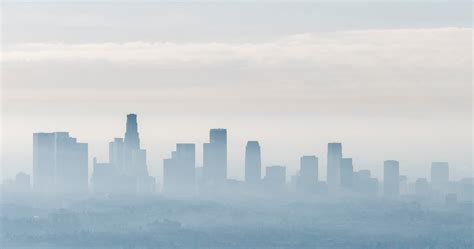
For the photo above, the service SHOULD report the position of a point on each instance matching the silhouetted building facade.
(275, 177)
(253, 163)
(104, 178)
(215, 157)
(422, 187)
(391, 178)
(308, 174)
(179, 171)
(334, 167)
(347, 171)
(439, 174)
(364, 184)
(60, 163)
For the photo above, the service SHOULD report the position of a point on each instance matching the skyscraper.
(334, 166)
(215, 156)
(43, 162)
(179, 171)
(391, 179)
(439, 173)
(116, 155)
(104, 178)
(308, 175)
(347, 171)
(60, 163)
(132, 139)
(128, 163)
(253, 163)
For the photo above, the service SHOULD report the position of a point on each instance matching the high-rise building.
(179, 171)
(334, 167)
(391, 178)
(116, 155)
(308, 175)
(132, 139)
(127, 163)
(253, 163)
(44, 162)
(215, 156)
(275, 176)
(104, 178)
(439, 173)
(347, 171)
(60, 163)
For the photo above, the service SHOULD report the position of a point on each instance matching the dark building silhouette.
(439, 174)
(179, 171)
(334, 167)
(215, 157)
(391, 178)
(308, 174)
(60, 163)
(347, 171)
(253, 163)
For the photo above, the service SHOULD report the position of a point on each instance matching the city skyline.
(134, 136)
(126, 157)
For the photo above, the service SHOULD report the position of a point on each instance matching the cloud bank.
(401, 48)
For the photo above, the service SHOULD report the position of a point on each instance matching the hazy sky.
(388, 80)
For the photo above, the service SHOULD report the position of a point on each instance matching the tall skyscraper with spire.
(132, 139)
(129, 161)
(253, 163)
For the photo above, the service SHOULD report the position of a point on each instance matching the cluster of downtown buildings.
(60, 166)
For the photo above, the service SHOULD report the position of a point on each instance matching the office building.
(60, 163)
(439, 173)
(391, 178)
(253, 163)
(347, 171)
(215, 157)
(308, 174)
(334, 167)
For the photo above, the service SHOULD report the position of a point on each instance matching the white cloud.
(425, 48)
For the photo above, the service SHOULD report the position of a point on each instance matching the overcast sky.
(388, 80)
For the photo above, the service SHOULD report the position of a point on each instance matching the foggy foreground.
(156, 222)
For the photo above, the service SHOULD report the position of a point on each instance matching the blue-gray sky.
(388, 80)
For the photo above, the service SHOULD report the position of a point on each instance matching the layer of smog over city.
(236, 124)
(200, 207)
